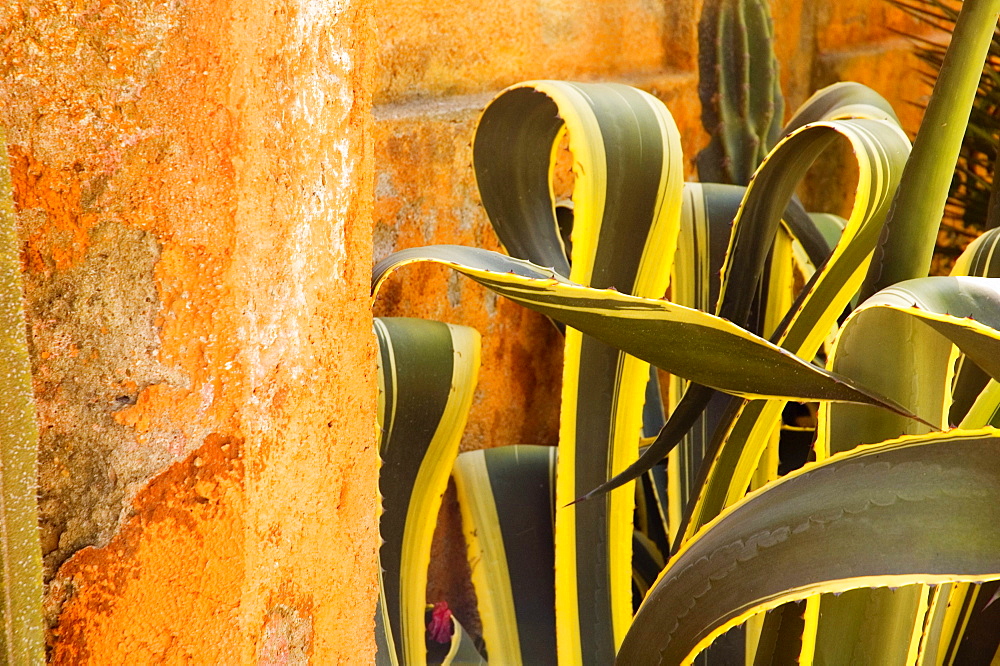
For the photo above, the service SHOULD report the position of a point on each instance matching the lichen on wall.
(166, 589)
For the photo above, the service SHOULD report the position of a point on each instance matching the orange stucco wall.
(202, 186)
(193, 184)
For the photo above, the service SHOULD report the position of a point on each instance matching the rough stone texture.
(879, 67)
(86, 377)
(183, 550)
(193, 183)
(430, 49)
(862, 22)
(795, 47)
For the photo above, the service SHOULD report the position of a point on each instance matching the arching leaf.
(427, 376)
(841, 524)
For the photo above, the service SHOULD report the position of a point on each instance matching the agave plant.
(876, 552)
(427, 376)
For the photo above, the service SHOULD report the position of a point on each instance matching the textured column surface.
(193, 183)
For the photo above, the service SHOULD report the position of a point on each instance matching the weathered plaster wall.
(193, 182)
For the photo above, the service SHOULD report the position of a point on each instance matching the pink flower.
(440, 627)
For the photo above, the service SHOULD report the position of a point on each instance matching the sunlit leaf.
(427, 376)
(506, 497)
(865, 506)
(627, 167)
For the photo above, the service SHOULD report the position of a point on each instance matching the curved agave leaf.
(842, 101)
(506, 497)
(913, 325)
(628, 168)
(708, 350)
(22, 641)
(881, 149)
(706, 224)
(980, 259)
(705, 230)
(427, 376)
(626, 204)
(513, 160)
(841, 524)
(956, 628)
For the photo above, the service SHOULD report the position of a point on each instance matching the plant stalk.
(21, 637)
(907, 243)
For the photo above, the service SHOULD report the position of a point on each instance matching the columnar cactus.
(742, 105)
